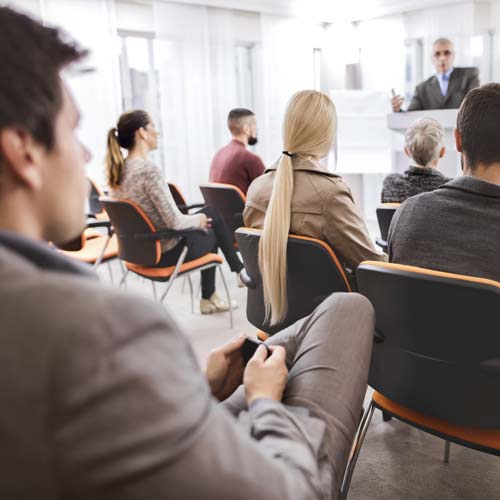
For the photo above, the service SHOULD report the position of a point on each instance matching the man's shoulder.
(426, 83)
(466, 72)
(420, 203)
(74, 306)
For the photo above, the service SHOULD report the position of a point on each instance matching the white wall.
(97, 93)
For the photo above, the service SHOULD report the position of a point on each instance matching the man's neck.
(18, 216)
(241, 138)
(441, 73)
(489, 173)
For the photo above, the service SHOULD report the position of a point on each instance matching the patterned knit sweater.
(142, 182)
(415, 180)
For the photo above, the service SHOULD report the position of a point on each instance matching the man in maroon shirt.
(234, 164)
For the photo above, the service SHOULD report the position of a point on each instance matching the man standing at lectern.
(447, 88)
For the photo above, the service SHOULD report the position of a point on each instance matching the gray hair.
(424, 139)
(443, 41)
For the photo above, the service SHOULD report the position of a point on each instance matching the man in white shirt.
(447, 88)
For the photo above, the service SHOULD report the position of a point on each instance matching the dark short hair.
(479, 125)
(234, 117)
(31, 57)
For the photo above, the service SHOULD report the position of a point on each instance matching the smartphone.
(249, 347)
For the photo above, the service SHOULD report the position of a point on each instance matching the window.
(244, 75)
(139, 79)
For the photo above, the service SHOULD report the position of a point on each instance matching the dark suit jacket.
(428, 94)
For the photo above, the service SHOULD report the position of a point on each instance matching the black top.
(415, 180)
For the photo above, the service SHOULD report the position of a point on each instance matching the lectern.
(449, 165)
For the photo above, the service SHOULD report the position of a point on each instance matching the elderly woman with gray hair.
(424, 141)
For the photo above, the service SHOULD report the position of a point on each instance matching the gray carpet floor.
(397, 462)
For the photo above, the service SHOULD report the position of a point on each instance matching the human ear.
(23, 156)
(458, 140)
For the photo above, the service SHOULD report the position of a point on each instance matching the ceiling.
(321, 10)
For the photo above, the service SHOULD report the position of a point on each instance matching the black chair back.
(179, 199)
(95, 193)
(437, 342)
(313, 273)
(384, 217)
(128, 221)
(228, 200)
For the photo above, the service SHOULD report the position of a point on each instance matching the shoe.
(238, 280)
(215, 304)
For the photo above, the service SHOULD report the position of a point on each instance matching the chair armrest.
(170, 233)
(195, 205)
(381, 243)
(101, 223)
(247, 280)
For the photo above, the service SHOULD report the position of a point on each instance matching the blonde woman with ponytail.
(138, 179)
(300, 194)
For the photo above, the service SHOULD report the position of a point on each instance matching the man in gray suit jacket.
(447, 88)
(102, 398)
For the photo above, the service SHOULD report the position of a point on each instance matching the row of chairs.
(436, 354)
(132, 238)
(436, 358)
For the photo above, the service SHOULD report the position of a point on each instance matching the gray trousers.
(328, 357)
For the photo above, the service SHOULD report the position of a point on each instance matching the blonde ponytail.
(273, 242)
(309, 130)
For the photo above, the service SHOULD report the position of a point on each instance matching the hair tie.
(287, 153)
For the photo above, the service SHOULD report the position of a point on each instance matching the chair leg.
(175, 273)
(124, 277)
(356, 447)
(228, 298)
(110, 270)
(101, 254)
(190, 283)
(446, 457)
(386, 417)
(154, 289)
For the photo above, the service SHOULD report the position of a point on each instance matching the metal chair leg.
(110, 270)
(228, 298)
(175, 273)
(446, 458)
(153, 283)
(122, 281)
(356, 447)
(190, 291)
(101, 254)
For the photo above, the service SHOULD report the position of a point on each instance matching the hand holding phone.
(265, 375)
(249, 347)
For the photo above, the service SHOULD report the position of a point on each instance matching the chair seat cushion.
(164, 273)
(484, 439)
(93, 247)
